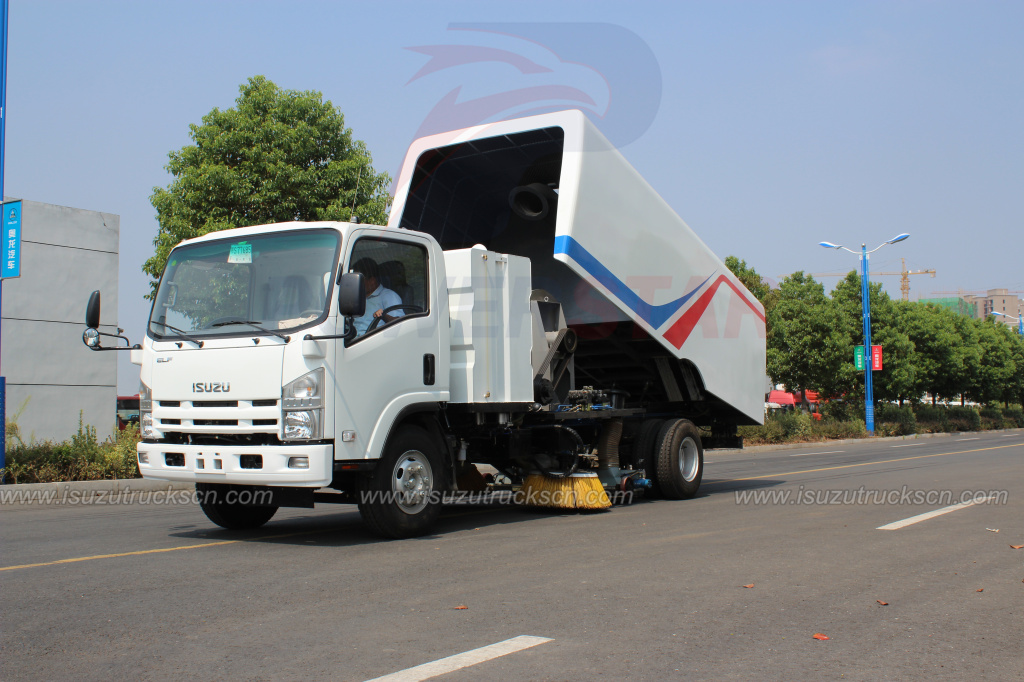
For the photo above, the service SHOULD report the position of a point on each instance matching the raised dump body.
(657, 314)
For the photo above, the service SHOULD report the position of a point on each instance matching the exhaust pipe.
(533, 202)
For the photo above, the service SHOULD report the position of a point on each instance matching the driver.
(378, 297)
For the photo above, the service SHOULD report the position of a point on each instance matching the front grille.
(214, 403)
(218, 418)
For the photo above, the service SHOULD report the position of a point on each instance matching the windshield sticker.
(240, 253)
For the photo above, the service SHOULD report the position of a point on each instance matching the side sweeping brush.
(576, 491)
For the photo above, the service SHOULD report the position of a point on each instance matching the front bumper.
(223, 464)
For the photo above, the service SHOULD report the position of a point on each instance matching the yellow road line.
(156, 551)
(864, 464)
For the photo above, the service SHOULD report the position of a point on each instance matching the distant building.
(981, 306)
(51, 376)
(957, 305)
(996, 300)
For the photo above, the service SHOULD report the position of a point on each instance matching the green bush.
(835, 430)
(779, 427)
(963, 418)
(932, 418)
(771, 432)
(893, 420)
(842, 411)
(83, 458)
(1013, 418)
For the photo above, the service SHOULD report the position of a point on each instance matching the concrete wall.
(66, 254)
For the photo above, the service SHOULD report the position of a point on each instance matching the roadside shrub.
(1013, 418)
(835, 430)
(991, 417)
(841, 411)
(82, 458)
(771, 432)
(796, 425)
(932, 418)
(893, 420)
(963, 418)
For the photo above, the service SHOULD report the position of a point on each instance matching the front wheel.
(230, 506)
(402, 497)
(680, 459)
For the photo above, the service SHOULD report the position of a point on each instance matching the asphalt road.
(649, 592)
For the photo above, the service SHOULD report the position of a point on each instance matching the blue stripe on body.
(654, 315)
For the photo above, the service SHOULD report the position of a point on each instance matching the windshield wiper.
(256, 325)
(184, 335)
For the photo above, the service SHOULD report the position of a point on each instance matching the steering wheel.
(315, 312)
(377, 320)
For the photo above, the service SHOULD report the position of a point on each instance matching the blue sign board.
(10, 265)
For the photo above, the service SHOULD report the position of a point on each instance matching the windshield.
(271, 281)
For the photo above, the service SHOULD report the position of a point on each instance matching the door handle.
(428, 369)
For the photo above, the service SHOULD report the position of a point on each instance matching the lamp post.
(869, 389)
(1020, 320)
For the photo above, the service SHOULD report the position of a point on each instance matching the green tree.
(276, 156)
(967, 362)
(997, 368)
(805, 346)
(939, 346)
(897, 381)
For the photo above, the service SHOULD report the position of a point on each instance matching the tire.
(645, 453)
(231, 515)
(402, 497)
(680, 459)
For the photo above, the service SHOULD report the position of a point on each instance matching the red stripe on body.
(683, 327)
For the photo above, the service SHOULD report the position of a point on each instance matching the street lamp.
(1020, 320)
(869, 389)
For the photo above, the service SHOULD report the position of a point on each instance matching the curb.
(109, 486)
(846, 441)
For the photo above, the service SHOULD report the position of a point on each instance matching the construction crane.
(904, 275)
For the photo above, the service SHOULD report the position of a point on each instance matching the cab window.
(395, 274)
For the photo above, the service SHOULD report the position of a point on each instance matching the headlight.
(300, 425)
(146, 425)
(303, 407)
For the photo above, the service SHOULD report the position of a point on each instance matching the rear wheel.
(645, 454)
(230, 506)
(680, 458)
(402, 497)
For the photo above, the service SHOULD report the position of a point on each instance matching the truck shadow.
(342, 526)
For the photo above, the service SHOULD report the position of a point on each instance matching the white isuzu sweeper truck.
(544, 313)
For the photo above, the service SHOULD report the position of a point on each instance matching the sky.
(767, 126)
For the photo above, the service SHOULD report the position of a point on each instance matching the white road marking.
(443, 666)
(961, 440)
(896, 525)
(827, 452)
(910, 445)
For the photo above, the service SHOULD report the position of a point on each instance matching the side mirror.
(92, 311)
(351, 295)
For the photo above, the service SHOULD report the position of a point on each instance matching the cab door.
(394, 365)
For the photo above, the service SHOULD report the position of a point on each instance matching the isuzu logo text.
(211, 387)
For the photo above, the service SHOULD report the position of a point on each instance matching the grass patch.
(83, 458)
